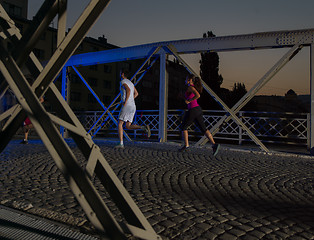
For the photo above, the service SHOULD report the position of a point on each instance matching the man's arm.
(127, 89)
(135, 93)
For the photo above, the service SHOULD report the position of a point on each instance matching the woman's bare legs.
(210, 137)
(185, 136)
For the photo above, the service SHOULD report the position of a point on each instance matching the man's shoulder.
(125, 81)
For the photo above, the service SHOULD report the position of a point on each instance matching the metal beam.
(312, 99)
(163, 97)
(99, 101)
(264, 40)
(102, 119)
(252, 92)
(79, 182)
(219, 101)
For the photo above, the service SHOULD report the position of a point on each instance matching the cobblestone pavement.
(193, 195)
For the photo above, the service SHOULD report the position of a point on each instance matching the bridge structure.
(294, 41)
(16, 53)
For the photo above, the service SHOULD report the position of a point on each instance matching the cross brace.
(142, 70)
(218, 100)
(250, 94)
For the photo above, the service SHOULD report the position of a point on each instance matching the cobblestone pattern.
(193, 195)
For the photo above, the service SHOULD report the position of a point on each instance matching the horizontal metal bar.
(265, 40)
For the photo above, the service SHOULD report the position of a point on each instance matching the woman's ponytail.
(198, 85)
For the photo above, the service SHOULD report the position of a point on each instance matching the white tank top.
(123, 91)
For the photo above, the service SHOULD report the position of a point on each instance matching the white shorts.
(127, 113)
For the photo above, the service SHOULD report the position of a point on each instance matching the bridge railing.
(269, 127)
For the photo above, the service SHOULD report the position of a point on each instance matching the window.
(106, 99)
(75, 96)
(75, 79)
(107, 69)
(94, 49)
(92, 82)
(126, 65)
(93, 67)
(107, 84)
(12, 9)
(147, 84)
(91, 98)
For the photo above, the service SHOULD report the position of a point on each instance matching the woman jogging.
(195, 113)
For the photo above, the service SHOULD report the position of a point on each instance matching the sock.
(121, 142)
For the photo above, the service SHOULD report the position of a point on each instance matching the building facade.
(104, 79)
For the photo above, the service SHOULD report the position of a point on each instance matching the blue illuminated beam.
(98, 100)
(264, 40)
(136, 81)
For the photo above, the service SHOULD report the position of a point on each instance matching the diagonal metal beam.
(151, 53)
(218, 100)
(78, 180)
(59, 58)
(250, 94)
(55, 144)
(99, 101)
(40, 23)
(24, 44)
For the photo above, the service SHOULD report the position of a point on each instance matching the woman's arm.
(196, 94)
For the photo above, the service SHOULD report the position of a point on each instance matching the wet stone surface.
(189, 195)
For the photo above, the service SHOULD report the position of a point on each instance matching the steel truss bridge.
(80, 179)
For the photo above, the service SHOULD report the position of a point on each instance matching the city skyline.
(138, 22)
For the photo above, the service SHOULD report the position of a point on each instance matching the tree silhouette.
(209, 67)
(238, 91)
(209, 72)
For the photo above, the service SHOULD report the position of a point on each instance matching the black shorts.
(194, 115)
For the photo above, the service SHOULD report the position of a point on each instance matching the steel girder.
(27, 94)
(218, 100)
(252, 92)
(142, 70)
(267, 40)
(311, 125)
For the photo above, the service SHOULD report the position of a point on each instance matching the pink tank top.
(194, 103)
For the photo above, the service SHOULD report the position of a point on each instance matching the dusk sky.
(128, 23)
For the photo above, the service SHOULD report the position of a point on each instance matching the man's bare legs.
(130, 126)
(120, 131)
(26, 129)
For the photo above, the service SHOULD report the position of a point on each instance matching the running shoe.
(147, 130)
(184, 149)
(215, 149)
(119, 146)
(24, 142)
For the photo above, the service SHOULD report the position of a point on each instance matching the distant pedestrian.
(194, 113)
(27, 126)
(128, 94)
